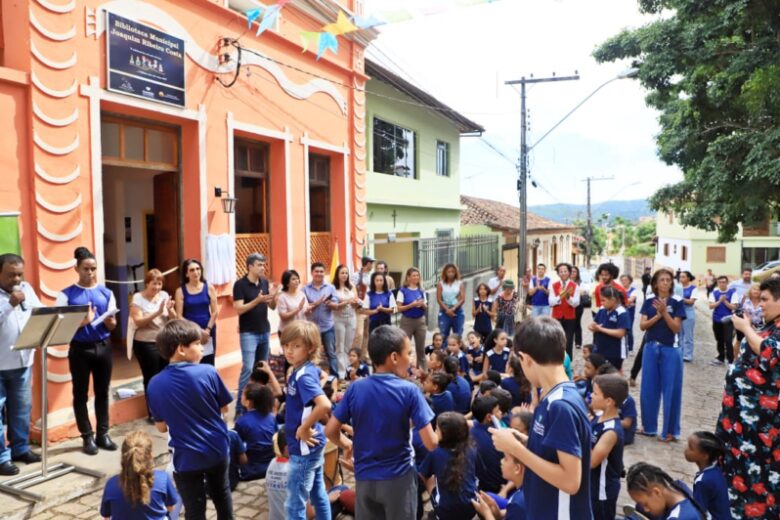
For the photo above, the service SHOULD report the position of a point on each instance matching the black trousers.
(724, 337)
(637, 366)
(569, 327)
(578, 325)
(85, 360)
(192, 486)
(151, 363)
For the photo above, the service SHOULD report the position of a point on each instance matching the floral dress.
(505, 317)
(749, 425)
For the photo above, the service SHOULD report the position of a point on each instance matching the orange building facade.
(135, 180)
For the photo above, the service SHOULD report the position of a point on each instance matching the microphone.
(21, 304)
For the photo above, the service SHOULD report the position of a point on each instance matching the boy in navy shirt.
(385, 474)
(483, 411)
(514, 471)
(187, 400)
(607, 456)
(557, 458)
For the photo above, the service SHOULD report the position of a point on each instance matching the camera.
(739, 312)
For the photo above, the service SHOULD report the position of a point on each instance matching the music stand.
(47, 326)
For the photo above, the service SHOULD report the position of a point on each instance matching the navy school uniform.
(237, 448)
(360, 371)
(684, 510)
(605, 478)
(515, 508)
(382, 445)
(614, 349)
(461, 394)
(629, 410)
(163, 494)
(448, 503)
(442, 402)
(302, 388)
(463, 363)
(189, 399)
(560, 424)
(660, 332)
(488, 459)
(429, 348)
(477, 359)
(497, 360)
(257, 431)
(511, 385)
(711, 492)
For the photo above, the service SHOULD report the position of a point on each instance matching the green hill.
(631, 210)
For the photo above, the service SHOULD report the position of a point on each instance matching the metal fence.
(472, 254)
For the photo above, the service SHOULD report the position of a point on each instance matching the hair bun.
(82, 253)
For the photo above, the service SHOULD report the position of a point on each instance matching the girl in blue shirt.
(474, 353)
(90, 351)
(482, 311)
(496, 352)
(453, 464)
(627, 282)
(709, 485)
(455, 349)
(379, 303)
(256, 428)
(139, 491)
(659, 495)
(435, 386)
(610, 327)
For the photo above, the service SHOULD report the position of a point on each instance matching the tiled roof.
(505, 216)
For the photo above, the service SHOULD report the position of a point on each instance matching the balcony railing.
(247, 243)
(472, 255)
(321, 248)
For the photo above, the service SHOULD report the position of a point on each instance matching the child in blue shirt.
(483, 411)
(188, 399)
(628, 417)
(356, 368)
(610, 326)
(709, 486)
(306, 405)
(257, 427)
(496, 352)
(385, 475)
(474, 353)
(144, 492)
(659, 495)
(557, 458)
(458, 387)
(437, 343)
(435, 386)
(517, 384)
(455, 349)
(453, 464)
(606, 458)
(487, 507)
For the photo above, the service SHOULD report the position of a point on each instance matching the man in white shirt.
(17, 300)
(742, 286)
(494, 284)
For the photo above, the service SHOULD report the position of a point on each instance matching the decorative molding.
(57, 266)
(94, 91)
(249, 128)
(57, 237)
(60, 9)
(54, 208)
(360, 156)
(50, 91)
(57, 353)
(64, 121)
(322, 145)
(58, 378)
(57, 37)
(59, 65)
(55, 150)
(48, 292)
(57, 180)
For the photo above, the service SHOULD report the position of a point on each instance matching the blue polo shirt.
(461, 394)
(189, 398)
(448, 503)
(488, 459)
(361, 371)
(322, 316)
(407, 296)
(629, 410)
(442, 402)
(497, 360)
(660, 332)
(609, 347)
(98, 297)
(721, 312)
(257, 431)
(463, 362)
(605, 478)
(540, 298)
(382, 443)
(302, 387)
(515, 508)
(684, 510)
(711, 492)
(560, 424)
(114, 505)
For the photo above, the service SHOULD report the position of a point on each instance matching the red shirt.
(597, 294)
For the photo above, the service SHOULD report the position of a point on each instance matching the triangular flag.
(367, 23)
(342, 25)
(327, 41)
(269, 19)
(307, 36)
(334, 261)
(252, 15)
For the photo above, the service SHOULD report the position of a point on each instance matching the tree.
(712, 70)
(599, 241)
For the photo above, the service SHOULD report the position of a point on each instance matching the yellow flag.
(334, 262)
(342, 25)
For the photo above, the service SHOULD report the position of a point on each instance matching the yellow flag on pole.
(334, 262)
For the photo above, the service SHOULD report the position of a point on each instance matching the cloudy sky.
(464, 55)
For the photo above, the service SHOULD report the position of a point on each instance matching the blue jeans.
(662, 377)
(254, 347)
(451, 324)
(16, 397)
(686, 335)
(329, 342)
(540, 310)
(306, 481)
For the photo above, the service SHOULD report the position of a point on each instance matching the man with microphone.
(16, 302)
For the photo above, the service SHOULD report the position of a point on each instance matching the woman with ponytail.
(660, 496)
(90, 350)
(139, 491)
(453, 464)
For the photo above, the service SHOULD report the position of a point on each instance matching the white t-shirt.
(494, 283)
(276, 487)
(150, 331)
(450, 292)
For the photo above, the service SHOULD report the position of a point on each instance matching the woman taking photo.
(412, 304)
(150, 310)
(90, 351)
(379, 303)
(196, 301)
(689, 324)
(344, 316)
(450, 295)
(661, 318)
(291, 302)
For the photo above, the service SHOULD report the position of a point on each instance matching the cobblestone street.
(703, 385)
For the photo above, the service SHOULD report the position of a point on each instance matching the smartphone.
(496, 423)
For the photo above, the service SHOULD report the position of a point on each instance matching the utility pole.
(522, 168)
(589, 238)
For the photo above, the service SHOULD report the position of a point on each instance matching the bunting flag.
(327, 41)
(252, 15)
(342, 25)
(307, 36)
(269, 19)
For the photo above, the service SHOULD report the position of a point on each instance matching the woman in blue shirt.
(688, 326)
(90, 350)
(379, 303)
(413, 304)
(196, 301)
(661, 318)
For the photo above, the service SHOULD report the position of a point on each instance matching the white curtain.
(220, 259)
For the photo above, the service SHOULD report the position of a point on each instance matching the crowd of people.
(502, 425)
